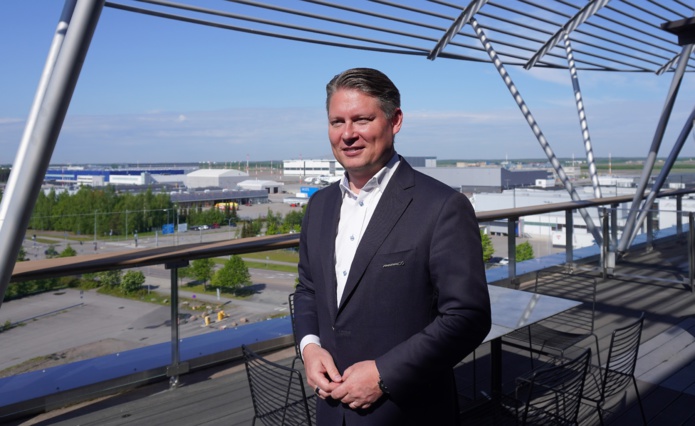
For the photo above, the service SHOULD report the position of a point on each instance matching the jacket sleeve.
(306, 319)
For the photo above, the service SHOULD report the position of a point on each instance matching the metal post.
(569, 238)
(650, 231)
(126, 225)
(679, 217)
(511, 250)
(95, 226)
(607, 257)
(45, 120)
(176, 368)
(614, 224)
(691, 249)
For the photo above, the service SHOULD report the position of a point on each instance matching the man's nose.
(349, 134)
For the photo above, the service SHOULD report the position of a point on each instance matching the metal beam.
(665, 170)
(582, 117)
(579, 18)
(630, 230)
(535, 128)
(465, 16)
(71, 42)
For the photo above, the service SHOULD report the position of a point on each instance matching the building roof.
(216, 173)
(259, 183)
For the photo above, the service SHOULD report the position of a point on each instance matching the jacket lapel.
(392, 204)
(329, 229)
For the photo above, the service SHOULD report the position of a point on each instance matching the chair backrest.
(277, 392)
(554, 395)
(622, 358)
(294, 327)
(575, 286)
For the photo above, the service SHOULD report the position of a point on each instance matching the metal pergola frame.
(598, 35)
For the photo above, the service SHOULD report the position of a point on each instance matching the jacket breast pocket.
(391, 269)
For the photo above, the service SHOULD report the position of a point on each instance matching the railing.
(174, 257)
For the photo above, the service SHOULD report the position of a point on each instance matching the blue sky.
(154, 90)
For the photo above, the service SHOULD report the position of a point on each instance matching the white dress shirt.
(356, 211)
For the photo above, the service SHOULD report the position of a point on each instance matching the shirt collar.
(379, 180)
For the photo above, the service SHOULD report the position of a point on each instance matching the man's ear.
(397, 120)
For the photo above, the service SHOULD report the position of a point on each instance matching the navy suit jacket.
(416, 298)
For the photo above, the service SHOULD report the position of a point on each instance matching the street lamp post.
(126, 224)
(95, 226)
(229, 224)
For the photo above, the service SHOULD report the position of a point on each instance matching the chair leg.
(475, 378)
(639, 401)
(530, 348)
(600, 413)
(598, 356)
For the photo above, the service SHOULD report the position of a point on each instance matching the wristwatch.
(383, 387)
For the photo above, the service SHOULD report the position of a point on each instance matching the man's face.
(361, 136)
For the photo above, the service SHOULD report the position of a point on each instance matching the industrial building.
(330, 167)
(79, 175)
(484, 179)
(215, 178)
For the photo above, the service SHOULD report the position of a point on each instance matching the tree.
(273, 223)
(51, 252)
(68, 252)
(293, 221)
(110, 278)
(132, 281)
(488, 248)
(22, 256)
(201, 270)
(233, 275)
(524, 251)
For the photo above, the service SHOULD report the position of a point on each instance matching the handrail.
(37, 269)
(58, 267)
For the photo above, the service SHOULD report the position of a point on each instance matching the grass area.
(140, 295)
(291, 256)
(241, 294)
(272, 267)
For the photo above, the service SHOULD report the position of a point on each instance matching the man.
(392, 291)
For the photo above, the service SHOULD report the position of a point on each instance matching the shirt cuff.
(306, 340)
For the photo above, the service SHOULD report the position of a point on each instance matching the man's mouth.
(352, 150)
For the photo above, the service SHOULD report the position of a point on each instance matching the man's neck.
(357, 181)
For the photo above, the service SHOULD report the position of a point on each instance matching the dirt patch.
(88, 351)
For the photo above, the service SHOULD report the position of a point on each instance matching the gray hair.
(370, 82)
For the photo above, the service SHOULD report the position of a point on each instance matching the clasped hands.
(358, 387)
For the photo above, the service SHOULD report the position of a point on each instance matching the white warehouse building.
(312, 168)
(549, 225)
(215, 178)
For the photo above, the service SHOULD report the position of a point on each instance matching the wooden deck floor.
(651, 282)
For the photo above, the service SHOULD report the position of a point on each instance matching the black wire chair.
(552, 395)
(606, 382)
(298, 353)
(555, 335)
(277, 392)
